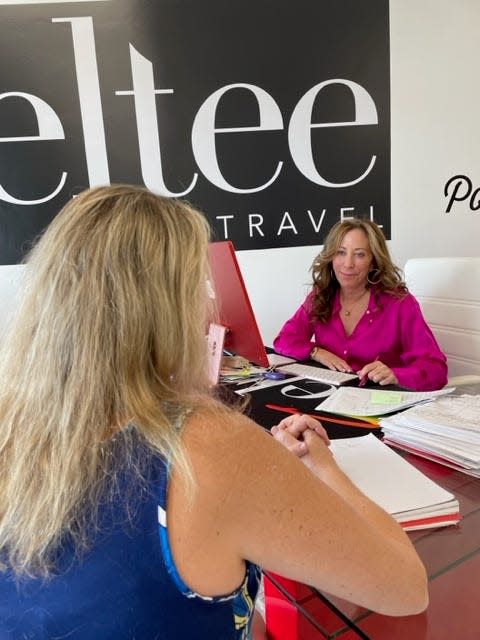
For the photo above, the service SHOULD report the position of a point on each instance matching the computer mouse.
(275, 375)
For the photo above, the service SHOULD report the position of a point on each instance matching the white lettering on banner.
(225, 229)
(287, 223)
(299, 137)
(147, 124)
(255, 225)
(49, 128)
(320, 222)
(255, 222)
(204, 130)
(89, 98)
(203, 127)
(203, 133)
(343, 217)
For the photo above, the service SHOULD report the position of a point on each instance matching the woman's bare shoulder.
(254, 500)
(215, 428)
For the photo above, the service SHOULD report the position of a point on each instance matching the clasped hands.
(301, 435)
(375, 371)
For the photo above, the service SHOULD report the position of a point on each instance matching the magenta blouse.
(392, 330)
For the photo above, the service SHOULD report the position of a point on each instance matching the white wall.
(435, 54)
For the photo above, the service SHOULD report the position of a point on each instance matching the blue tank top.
(126, 587)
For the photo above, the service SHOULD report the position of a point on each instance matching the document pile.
(446, 431)
(415, 501)
(352, 401)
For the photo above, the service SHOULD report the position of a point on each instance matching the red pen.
(364, 379)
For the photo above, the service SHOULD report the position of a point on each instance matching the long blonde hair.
(111, 331)
(384, 274)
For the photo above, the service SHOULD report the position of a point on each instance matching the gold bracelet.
(313, 353)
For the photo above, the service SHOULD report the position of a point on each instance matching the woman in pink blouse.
(360, 316)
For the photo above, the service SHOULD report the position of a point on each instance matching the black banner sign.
(271, 117)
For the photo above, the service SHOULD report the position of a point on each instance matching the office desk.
(451, 556)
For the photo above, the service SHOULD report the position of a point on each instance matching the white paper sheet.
(388, 479)
(353, 401)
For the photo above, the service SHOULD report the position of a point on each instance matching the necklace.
(348, 312)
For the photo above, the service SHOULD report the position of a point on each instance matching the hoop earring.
(377, 275)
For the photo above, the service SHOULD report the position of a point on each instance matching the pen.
(348, 423)
(364, 379)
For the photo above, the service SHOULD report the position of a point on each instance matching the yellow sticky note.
(386, 397)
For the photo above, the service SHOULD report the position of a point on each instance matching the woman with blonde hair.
(359, 315)
(132, 503)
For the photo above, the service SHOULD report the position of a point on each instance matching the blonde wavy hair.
(111, 331)
(384, 274)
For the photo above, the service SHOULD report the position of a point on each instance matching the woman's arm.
(425, 366)
(295, 340)
(256, 501)
(295, 337)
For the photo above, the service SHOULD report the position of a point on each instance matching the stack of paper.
(236, 368)
(354, 401)
(447, 431)
(415, 501)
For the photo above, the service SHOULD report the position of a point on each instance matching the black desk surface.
(299, 395)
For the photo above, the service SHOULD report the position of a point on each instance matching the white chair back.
(448, 290)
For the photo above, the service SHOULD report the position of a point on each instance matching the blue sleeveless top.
(126, 586)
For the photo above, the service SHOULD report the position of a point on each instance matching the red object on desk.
(363, 381)
(349, 423)
(284, 621)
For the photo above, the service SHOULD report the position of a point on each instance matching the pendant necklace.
(348, 312)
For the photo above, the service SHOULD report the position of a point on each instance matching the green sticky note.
(386, 397)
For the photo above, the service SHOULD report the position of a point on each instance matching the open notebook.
(415, 501)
